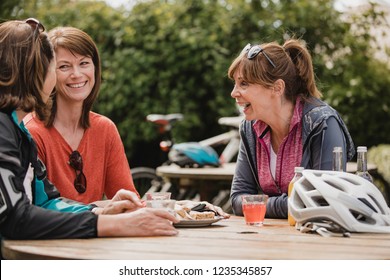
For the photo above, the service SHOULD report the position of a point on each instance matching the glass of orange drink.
(254, 208)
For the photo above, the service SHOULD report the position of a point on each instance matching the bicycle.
(146, 179)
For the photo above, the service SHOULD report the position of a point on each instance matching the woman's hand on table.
(142, 222)
(123, 201)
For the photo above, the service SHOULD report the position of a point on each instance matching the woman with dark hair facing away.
(30, 205)
(286, 123)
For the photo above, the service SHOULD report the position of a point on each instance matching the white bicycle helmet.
(349, 202)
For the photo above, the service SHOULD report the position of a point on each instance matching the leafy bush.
(380, 156)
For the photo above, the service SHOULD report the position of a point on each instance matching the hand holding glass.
(254, 208)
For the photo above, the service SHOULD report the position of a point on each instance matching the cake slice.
(202, 215)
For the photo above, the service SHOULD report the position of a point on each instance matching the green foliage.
(171, 60)
(359, 84)
(9, 9)
(172, 56)
(380, 156)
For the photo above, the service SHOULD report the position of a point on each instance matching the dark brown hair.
(293, 64)
(77, 42)
(25, 56)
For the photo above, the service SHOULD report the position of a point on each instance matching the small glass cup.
(167, 204)
(254, 207)
(158, 196)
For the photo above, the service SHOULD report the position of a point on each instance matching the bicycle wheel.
(145, 178)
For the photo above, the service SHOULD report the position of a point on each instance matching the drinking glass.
(167, 204)
(158, 196)
(254, 208)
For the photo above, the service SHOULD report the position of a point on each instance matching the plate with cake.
(198, 216)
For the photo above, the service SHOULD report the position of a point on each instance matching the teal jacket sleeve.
(47, 196)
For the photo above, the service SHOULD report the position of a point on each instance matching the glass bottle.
(338, 159)
(298, 174)
(362, 163)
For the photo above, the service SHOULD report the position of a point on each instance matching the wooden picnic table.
(227, 239)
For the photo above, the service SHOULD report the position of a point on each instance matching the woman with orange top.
(82, 150)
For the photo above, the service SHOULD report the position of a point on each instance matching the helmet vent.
(307, 186)
(362, 218)
(366, 202)
(299, 203)
(320, 201)
(353, 182)
(358, 216)
(379, 205)
(332, 184)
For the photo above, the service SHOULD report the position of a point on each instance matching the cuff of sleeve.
(93, 208)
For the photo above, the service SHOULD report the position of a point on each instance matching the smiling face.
(75, 75)
(255, 100)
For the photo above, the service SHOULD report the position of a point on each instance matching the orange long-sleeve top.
(104, 160)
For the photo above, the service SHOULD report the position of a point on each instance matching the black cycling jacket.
(40, 212)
